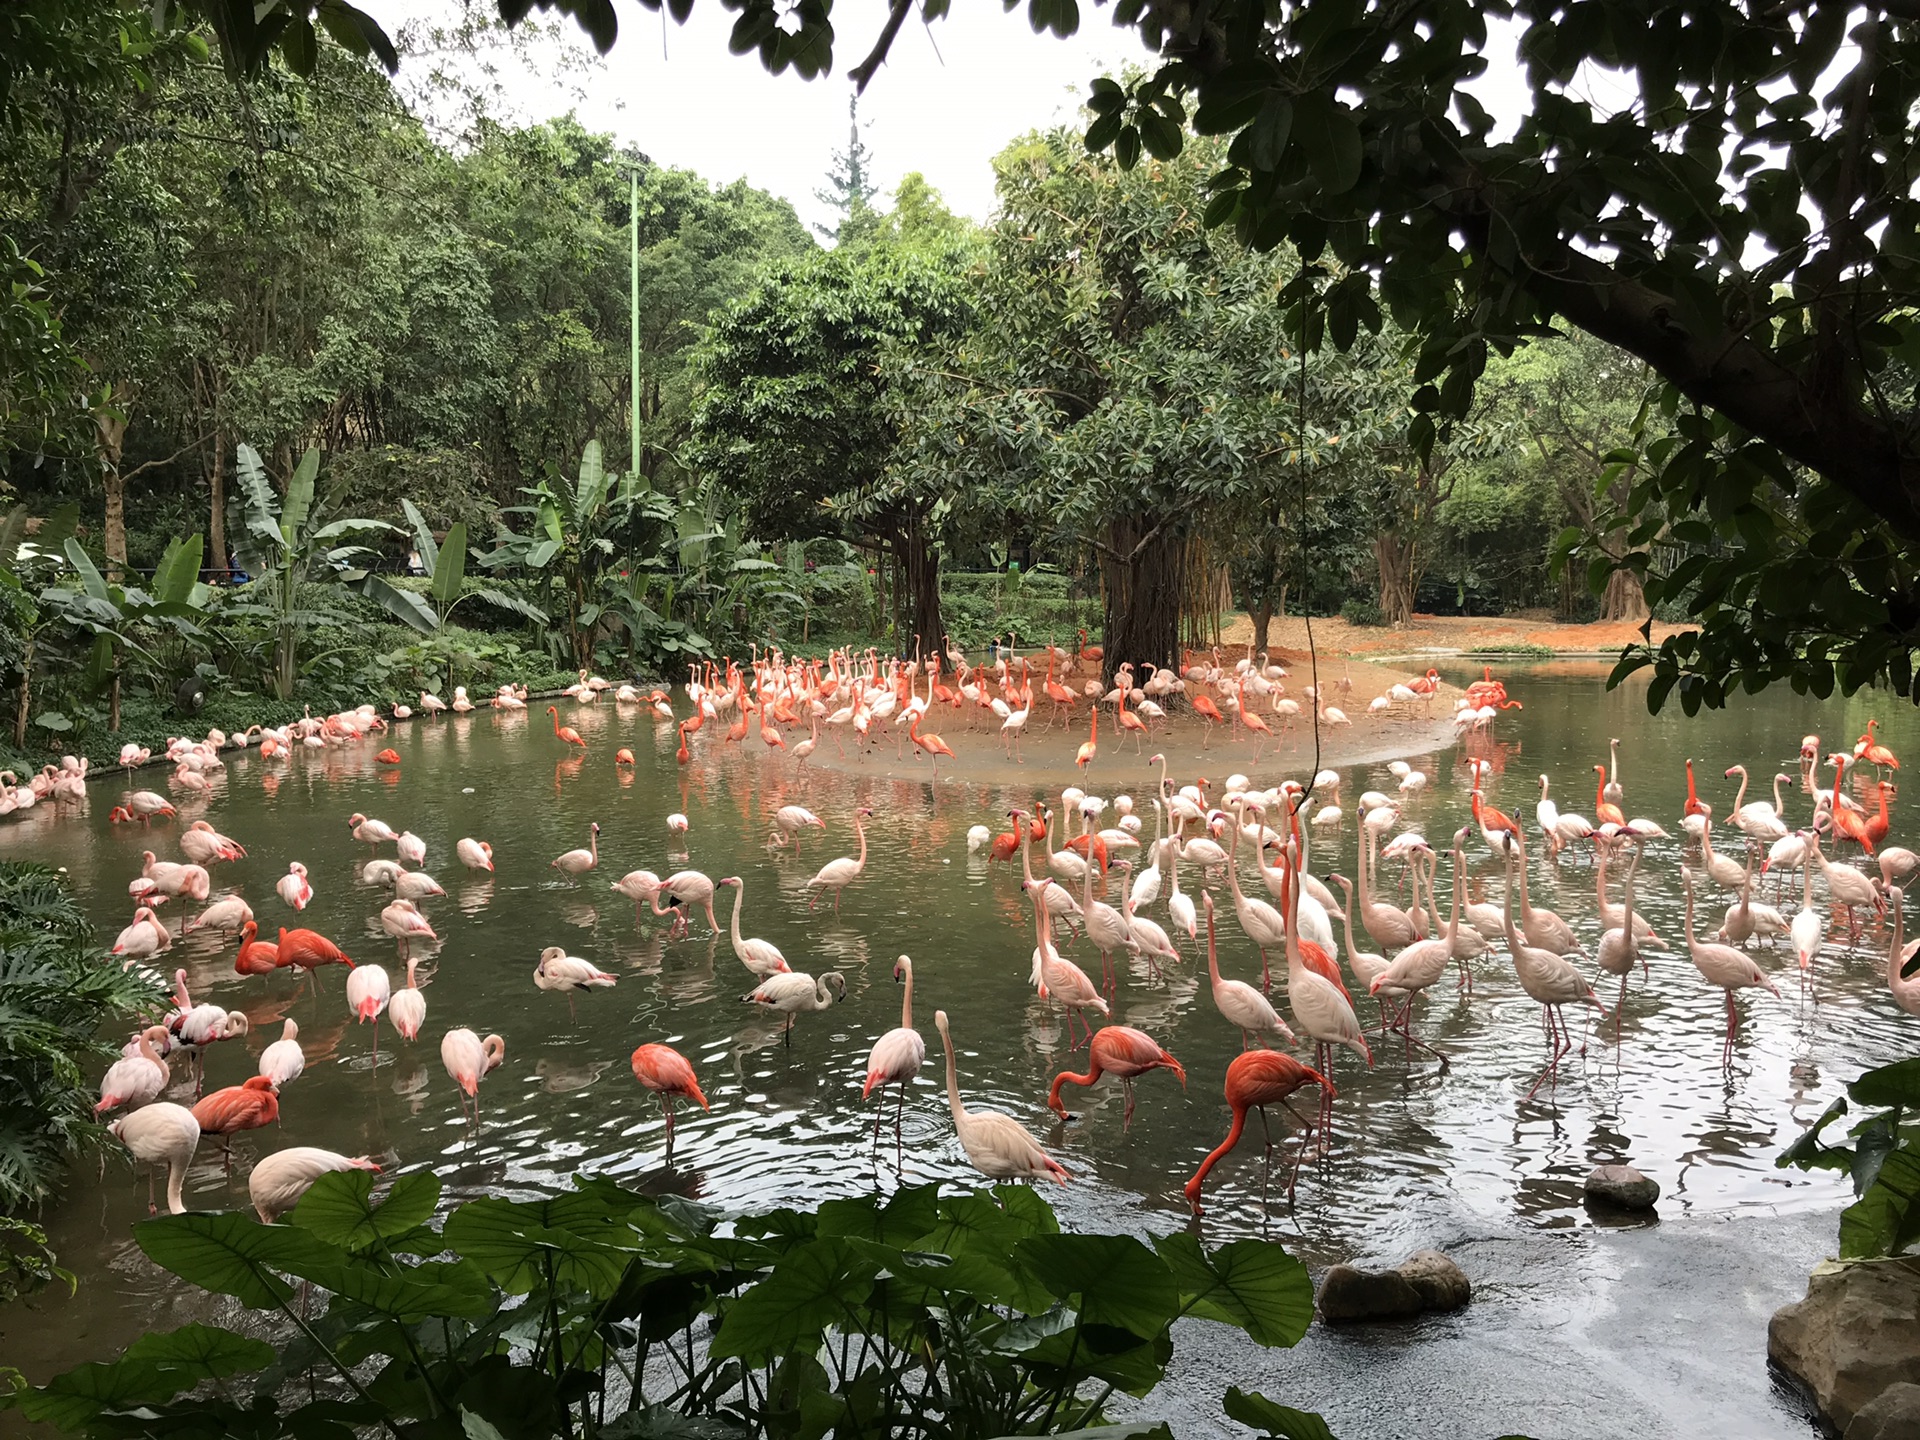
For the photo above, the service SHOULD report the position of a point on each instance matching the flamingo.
(1726, 967)
(1054, 976)
(250, 1105)
(145, 937)
(668, 1074)
(279, 1180)
(1760, 820)
(1117, 1050)
(1548, 979)
(411, 848)
(469, 1060)
(1255, 1080)
(136, 1079)
(474, 854)
(283, 1061)
(1091, 746)
(1869, 749)
(1619, 946)
(578, 862)
(1807, 929)
(162, 1133)
(896, 1059)
(789, 821)
(836, 875)
(792, 993)
(932, 744)
(229, 912)
(1905, 988)
(373, 832)
(404, 922)
(431, 705)
(1241, 1004)
(762, 957)
(996, 1145)
(368, 990)
(308, 950)
(558, 970)
(1696, 812)
(565, 733)
(684, 889)
(639, 886)
(1605, 812)
(293, 888)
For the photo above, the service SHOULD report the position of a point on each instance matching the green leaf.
(810, 1289)
(1895, 1084)
(202, 1352)
(569, 1242)
(11, 531)
(53, 720)
(404, 605)
(1331, 138)
(1885, 1220)
(449, 569)
(299, 503)
(1252, 1284)
(664, 1422)
(339, 1208)
(1271, 1418)
(232, 1254)
(423, 540)
(252, 475)
(71, 1400)
(1809, 1153)
(178, 573)
(1113, 1279)
(541, 553)
(590, 490)
(91, 580)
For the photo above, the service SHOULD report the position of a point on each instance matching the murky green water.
(1410, 1145)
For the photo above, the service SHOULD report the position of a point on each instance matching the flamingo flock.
(1091, 895)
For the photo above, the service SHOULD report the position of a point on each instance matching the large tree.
(797, 415)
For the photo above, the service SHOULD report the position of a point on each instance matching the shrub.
(1514, 648)
(603, 1312)
(58, 993)
(1363, 610)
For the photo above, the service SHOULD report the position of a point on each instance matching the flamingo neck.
(176, 1181)
(739, 898)
(953, 1082)
(906, 1001)
(1893, 951)
(1215, 1155)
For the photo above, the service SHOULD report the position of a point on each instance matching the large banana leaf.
(403, 605)
(91, 579)
(293, 515)
(423, 540)
(11, 529)
(177, 579)
(449, 567)
(590, 491)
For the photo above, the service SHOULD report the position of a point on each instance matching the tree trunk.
(1625, 598)
(1262, 622)
(221, 557)
(1144, 578)
(110, 428)
(26, 698)
(1395, 557)
(921, 564)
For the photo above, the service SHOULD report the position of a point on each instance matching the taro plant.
(1883, 1161)
(290, 542)
(605, 1313)
(119, 618)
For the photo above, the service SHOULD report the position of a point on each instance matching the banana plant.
(289, 542)
(116, 615)
(578, 529)
(446, 571)
(21, 617)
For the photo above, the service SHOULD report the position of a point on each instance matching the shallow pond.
(1413, 1149)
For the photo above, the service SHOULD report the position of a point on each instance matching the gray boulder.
(1855, 1336)
(1893, 1415)
(1622, 1187)
(1426, 1280)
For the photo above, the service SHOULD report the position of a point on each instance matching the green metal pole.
(633, 250)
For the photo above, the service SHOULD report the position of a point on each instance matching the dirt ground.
(1332, 635)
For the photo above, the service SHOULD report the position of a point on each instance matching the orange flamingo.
(565, 732)
(1878, 825)
(1131, 721)
(668, 1074)
(1604, 810)
(247, 1106)
(1092, 745)
(1492, 822)
(1204, 707)
(1695, 805)
(1252, 721)
(1255, 1080)
(308, 950)
(932, 744)
(682, 755)
(1869, 749)
(1117, 1050)
(1848, 824)
(256, 957)
(1055, 691)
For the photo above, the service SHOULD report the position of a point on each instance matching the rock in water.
(1893, 1415)
(1855, 1335)
(1442, 1284)
(1622, 1186)
(1426, 1280)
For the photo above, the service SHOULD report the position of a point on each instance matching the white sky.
(944, 104)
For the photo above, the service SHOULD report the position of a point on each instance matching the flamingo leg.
(666, 1103)
(1126, 1087)
(899, 1110)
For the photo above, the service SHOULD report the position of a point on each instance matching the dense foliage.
(1883, 1160)
(58, 992)
(602, 1312)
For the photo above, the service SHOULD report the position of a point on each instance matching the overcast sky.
(943, 105)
